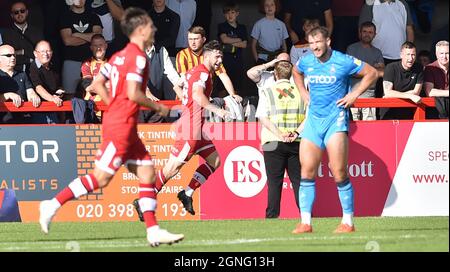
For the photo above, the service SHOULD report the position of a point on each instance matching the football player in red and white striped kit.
(192, 138)
(127, 72)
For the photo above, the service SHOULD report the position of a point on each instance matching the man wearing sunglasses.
(15, 86)
(22, 36)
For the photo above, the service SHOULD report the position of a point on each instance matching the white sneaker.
(157, 236)
(46, 213)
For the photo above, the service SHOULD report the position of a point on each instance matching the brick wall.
(88, 139)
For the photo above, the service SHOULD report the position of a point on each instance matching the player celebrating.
(191, 139)
(127, 72)
(327, 122)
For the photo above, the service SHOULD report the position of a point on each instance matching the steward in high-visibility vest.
(281, 113)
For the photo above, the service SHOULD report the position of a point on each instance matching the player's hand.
(237, 98)
(348, 100)
(415, 98)
(223, 113)
(163, 110)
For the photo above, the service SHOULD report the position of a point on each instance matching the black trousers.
(278, 157)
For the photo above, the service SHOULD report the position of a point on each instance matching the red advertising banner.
(238, 189)
(392, 165)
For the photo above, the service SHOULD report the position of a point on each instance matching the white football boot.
(46, 212)
(157, 236)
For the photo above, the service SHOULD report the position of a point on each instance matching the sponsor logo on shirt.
(322, 79)
(119, 61)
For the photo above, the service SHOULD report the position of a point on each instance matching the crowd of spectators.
(56, 61)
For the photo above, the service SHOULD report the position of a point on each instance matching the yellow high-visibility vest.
(285, 109)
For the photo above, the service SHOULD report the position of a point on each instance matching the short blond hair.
(283, 69)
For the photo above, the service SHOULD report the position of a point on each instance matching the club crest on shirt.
(204, 77)
(332, 69)
(140, 62)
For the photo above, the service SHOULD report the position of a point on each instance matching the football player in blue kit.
(327, 73)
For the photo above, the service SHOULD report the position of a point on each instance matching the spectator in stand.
(263, 74)
(22, 36)
(365, 51)
(233, 37)
(110, 13)
(164, 83)
(268, 34)
(46, 79)
(167, 23)
(436, 79)
(203, 16)
(77, 27)
(424, 58)
(297, 10)
(394, 26)
(15, 86)
(345, 22)
(192, 56)
(301, 48)
(91, 67)
(403, 79)
(186, 9)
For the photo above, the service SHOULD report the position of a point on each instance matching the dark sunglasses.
(16, 12)
(9, 55)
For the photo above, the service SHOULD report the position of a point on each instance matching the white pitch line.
(55, 245)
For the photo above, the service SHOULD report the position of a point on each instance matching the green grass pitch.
(403, 234)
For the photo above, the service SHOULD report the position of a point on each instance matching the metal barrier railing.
(360, 103)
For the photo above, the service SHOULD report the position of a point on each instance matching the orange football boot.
(344, 228)
(302, 228)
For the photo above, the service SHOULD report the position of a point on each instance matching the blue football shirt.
(328, 81)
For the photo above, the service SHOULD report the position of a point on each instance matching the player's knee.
(308, 174)
(103, 178)
(340, 177)
(103, 182)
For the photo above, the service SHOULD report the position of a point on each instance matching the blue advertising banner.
(37, 161)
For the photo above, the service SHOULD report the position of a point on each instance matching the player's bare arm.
(299, 79)
(200, 98)
(99, 87)
(369, 76)
(135, 94)
(229, 87)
